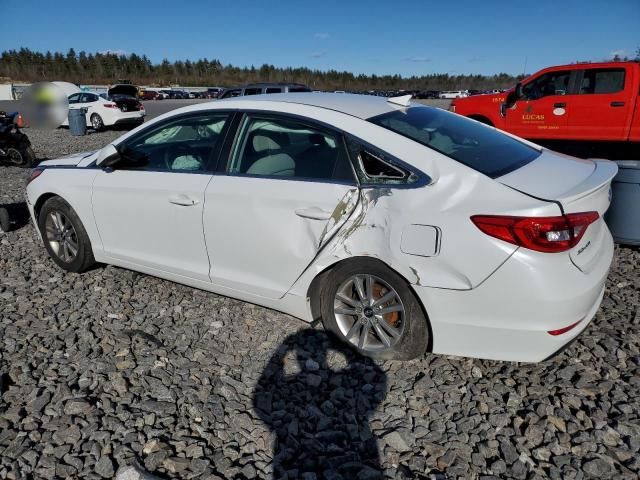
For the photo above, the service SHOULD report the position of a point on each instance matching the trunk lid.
(123, 89)
(578, 186)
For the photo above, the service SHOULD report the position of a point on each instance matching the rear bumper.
(508, 316)
(129, 121)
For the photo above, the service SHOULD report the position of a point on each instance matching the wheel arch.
(313, 292)
(37, 207)
(481, 119)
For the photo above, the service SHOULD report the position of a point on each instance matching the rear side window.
(287, 148)
(477, 146)
(602, 80)
(274, 90)
(252, 91)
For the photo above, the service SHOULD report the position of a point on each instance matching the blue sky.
(404, 37)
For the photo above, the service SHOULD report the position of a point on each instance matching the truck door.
(545, 108)
(603, 108)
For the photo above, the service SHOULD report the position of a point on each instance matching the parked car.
(214, 92)
(151, 95)
(428, 94)
(400, 226)
(264, 88)
(454, 94)
(110, 110)
(230, 93)
(584, 109)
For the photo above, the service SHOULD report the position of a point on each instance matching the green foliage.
(106, 68)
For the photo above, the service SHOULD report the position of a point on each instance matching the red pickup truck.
(583, 109)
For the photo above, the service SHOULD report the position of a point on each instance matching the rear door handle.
(314, 213)
(559, 105)
(617, 104)
(182, 200)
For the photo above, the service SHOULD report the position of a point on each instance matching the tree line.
(25, 65)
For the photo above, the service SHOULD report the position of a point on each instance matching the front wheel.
(22, 156)
(64, 236)
(372, 308)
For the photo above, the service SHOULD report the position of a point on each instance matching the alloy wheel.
(369, 312)
(96, 122)
(61, 236)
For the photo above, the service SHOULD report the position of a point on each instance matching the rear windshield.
(470, 143)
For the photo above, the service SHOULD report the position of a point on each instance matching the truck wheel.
(372, 308)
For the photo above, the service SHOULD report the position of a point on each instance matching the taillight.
(452, 107)
(140, 106)
(542, 234)
(35, 173)
(110, 105)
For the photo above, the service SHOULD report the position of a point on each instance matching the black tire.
(28, 157)
(5, 223)
(96, 122)
(414, 339)
(83, 259)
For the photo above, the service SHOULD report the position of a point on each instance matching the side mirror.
(108, 156)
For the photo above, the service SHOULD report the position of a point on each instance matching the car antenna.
(404, 100)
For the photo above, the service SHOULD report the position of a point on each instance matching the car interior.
(181, 146)
(273, 148)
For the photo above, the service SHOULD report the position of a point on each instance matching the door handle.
(183, 200)
(559, 105)
(314, 213)
(617, 104)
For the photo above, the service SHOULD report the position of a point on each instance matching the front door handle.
(314, 213)
(183, 200)
(559, 105)
(617, 104)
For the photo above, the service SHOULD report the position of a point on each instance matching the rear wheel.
(96, 122)
(28, 157)
(372, 308)
(22, 156)
(64, 236)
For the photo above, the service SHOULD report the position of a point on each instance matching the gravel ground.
(112, 368)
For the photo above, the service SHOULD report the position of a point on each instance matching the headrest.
(262, 143)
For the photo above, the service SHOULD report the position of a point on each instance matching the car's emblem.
(124, 108)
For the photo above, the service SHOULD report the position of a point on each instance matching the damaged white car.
(404, 228)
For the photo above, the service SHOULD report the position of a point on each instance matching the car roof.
(361, 106)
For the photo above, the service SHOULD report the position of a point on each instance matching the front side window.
(75, 98)
(182, 145)
(547, 84)
(477, 146)
(289, 148)
(602, 80)
(252, 91)
(274, 90)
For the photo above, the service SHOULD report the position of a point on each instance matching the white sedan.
(114, 110)
(404, 228)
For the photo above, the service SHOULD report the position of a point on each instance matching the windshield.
(477, 146)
